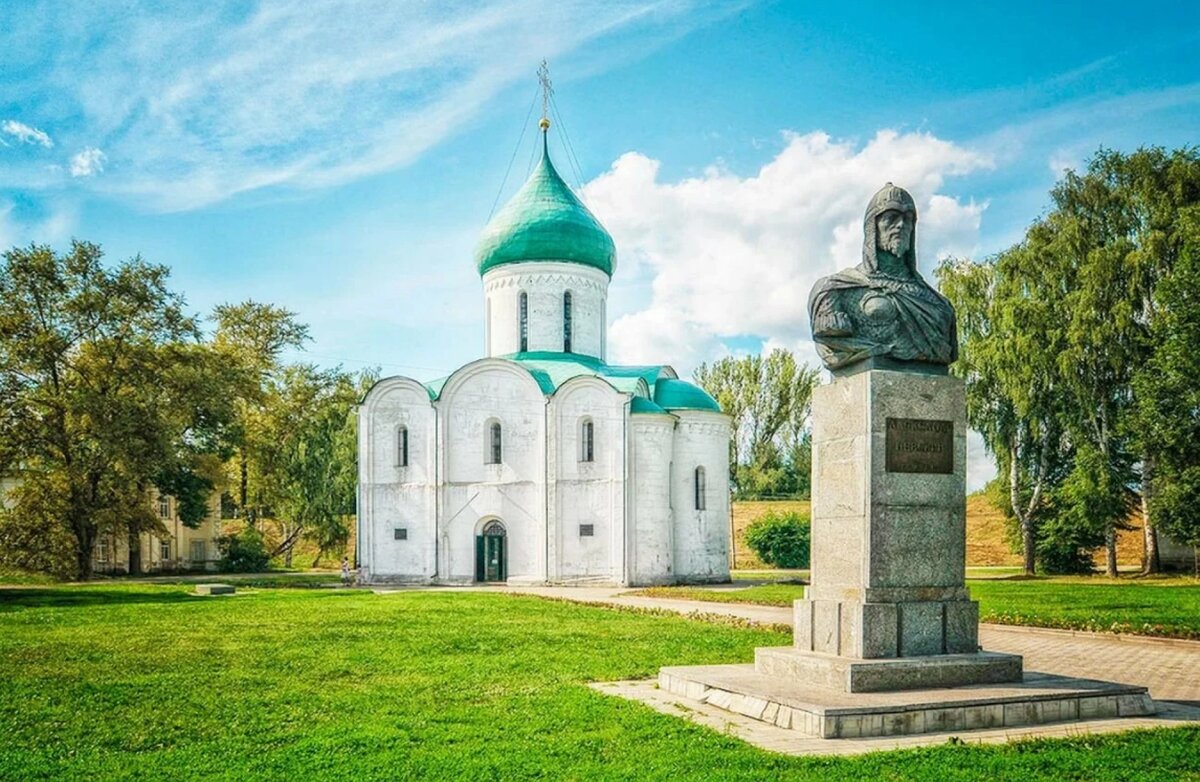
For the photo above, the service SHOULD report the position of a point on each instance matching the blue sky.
(341, 158)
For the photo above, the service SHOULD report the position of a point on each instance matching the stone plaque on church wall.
(919, 445)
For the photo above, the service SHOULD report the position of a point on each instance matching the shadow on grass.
(65, 598)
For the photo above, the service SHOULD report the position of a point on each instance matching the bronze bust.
(881, 314)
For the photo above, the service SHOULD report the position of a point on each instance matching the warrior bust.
(881, 314)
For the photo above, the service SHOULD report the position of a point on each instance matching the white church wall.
(701, 536)
(651, 552)
(475, 491)
(544, 284)
(394, 496)
(592, 492)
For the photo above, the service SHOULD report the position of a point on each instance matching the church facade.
(541, 463)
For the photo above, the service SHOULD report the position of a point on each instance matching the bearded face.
(893, 231)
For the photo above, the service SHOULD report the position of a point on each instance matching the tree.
(1010, 336)
(1068, 337)
(770, 400)
(311, 417)
(251, 336)
(105, 392)
(1168, 392)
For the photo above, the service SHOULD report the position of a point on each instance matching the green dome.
(545, 221)
(681, 395)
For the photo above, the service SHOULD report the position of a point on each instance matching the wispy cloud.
(26, 134)
(197, 108)
(87, 162)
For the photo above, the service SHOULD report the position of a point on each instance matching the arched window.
(496, 448)
(699, 488)
(524, 321)
(567, 322)
(402, 446)
(587, 441)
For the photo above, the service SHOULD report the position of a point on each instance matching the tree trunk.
(1027, 546)
(287, 557)
(135, 554)
(243, 487)
(85, 542)
(1110, 552)
(1025, 519)
(1150, 560)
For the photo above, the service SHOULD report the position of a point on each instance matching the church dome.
(545, 221)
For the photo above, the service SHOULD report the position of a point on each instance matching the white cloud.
(237, 96)
(26, 134)
(87, 162)
(54, 225)
(734, 256)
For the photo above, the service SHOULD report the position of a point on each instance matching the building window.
(524, 322)
(198, 553)
(699, 488)
(102, 550)
(164, 506)
(164, 549)
(402, 446)
(567, 322)
(587, 530)
(495, 445)
(587, 441)
(400, 533)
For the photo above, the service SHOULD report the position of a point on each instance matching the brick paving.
(1169, 669)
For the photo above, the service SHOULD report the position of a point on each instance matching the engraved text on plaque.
(918, 445)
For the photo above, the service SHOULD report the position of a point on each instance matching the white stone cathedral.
(541, 463)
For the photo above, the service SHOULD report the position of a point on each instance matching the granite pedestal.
(889, 541)
(886, 639)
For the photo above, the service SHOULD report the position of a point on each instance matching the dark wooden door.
(491, 562)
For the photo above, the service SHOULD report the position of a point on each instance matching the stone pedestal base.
(793, 704)
(888, 629)
(933, 672)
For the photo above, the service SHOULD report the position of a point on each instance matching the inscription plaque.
(919, 445)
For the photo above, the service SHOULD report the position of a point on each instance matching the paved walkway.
(1169, 669)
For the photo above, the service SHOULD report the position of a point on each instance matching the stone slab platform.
(793, 742)
(886, 674)
(215, 589)
(821, 712)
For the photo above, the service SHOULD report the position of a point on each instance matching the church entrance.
(491, 558)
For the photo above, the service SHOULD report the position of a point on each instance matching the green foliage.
(1089, 498)
(781, 539)
(243, 552)
(32, 536)
(1168, 393)
(1078, 348)
(109, 388)
(769, 400)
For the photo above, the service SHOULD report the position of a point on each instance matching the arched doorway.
(491, 556)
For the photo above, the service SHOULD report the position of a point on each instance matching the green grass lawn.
(1167, 607)
(147, 682)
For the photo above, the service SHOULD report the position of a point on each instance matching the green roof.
(551, 370)
(682, 395)
(641, 404)
(545, 221)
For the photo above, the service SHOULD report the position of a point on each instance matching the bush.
(33, 536)
(781, 539)
(244, 552)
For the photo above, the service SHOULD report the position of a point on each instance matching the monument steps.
(1038, 699)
